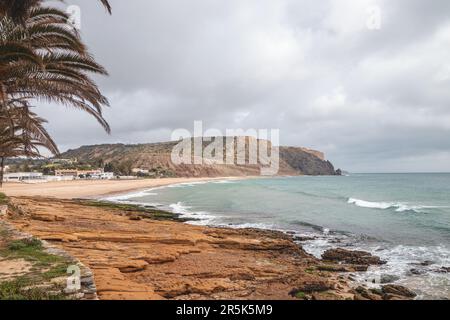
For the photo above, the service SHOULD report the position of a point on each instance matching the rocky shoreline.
(144, 253)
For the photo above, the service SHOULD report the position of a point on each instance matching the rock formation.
(156, 158)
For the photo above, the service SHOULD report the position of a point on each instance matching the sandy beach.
(91, 188)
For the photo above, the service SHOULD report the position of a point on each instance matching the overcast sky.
(372, 100)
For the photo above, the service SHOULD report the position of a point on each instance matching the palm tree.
(45, 59)
(18, 9)
(41, 58)
(22, 134)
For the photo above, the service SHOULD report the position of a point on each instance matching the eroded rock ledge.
(134, 258)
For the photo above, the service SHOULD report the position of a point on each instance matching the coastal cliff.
(156, 158)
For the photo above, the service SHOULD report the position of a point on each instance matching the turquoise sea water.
(404, 218)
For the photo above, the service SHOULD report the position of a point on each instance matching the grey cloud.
(372, 100)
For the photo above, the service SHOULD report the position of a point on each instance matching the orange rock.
(46, 217)
(59, 237)
(147, 259)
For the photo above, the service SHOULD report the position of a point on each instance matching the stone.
(333, 268)
(303, 238)
(59, 237)
(47, 217)
(388, 278)
(243, 276)
(135, 217)
(359, 297)
(360, 268)
(398, 290)
(316, 286)
(3, 210)
(443, 270)
(132, 266)
(361, 292)
(416, 272)
(352, 257)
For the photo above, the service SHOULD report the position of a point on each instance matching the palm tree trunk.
(2, 169)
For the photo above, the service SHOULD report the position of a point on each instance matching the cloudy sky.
(373, 99)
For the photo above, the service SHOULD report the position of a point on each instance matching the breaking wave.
(398, 206)
(194, 217)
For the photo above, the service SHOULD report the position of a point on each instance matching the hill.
(156, 158)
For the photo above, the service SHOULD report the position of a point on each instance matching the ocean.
(403, 218)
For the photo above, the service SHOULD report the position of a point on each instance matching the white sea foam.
(398, 206)
(223, 182)
(261, 226)
(187, 184)
(368, 204)
(401, 259)
(430, 283)
(179, 208)
(195, 217)
(138, 194)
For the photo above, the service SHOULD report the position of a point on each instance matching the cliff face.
(156, 157)
(306, 162)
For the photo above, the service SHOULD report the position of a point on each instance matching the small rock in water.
(398, 291)
(360, 268)
(426, 263)
(305, 238)
(388, 278)
(352, 257)
(443, 270)
(416, 272)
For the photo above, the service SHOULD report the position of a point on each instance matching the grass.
(3, 199)
(57, 271)
(20, 289)
(310, 270)
(45, 268)
(3, 233)
(300, 295)
(144, 212)
(30, 250)
(331, 268)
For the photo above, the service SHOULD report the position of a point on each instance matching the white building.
(58, 178)
(23, 177)
(103, 176)
(139, 170)
(33, 177)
